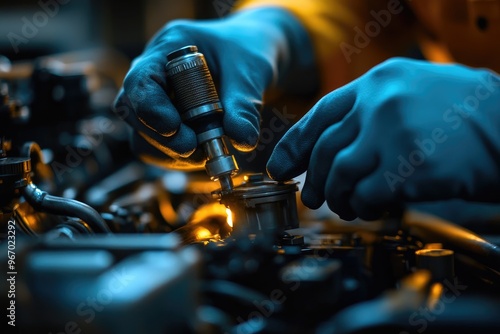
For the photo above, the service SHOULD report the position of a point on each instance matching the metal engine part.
(259, 205)
(95, 241)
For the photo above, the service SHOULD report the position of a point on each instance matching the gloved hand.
(246, 52)
(406, 131)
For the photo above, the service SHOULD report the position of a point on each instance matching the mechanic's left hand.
(405, 131)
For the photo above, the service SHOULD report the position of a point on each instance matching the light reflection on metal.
(261, 205)
(166, 209)
(440, 262)
(203, 233)
(229, 217)
(435, 294)
(434, 245)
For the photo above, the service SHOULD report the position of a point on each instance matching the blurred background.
(80, 24)
(61, 65)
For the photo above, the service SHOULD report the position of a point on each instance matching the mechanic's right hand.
(406, 131)
(246, 52)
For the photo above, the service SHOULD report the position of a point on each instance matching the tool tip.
(226, 183)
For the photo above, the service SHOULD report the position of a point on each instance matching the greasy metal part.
(438, 261)
(18, 167)
(14, 175)
(389, 310)
(461, 240)
(197, 100)
(220, 165)
(292, 240)
(259, 205)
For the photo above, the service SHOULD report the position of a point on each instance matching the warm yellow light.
(434, 245)
(202, 233)
(435, 295)
(229, 217)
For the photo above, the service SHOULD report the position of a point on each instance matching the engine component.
(454, 237)
(198, 103)
(124, 284)
(14, 174)
(173, 264)
(258, 205)
(440, 262)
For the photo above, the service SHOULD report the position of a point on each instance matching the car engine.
(96, 241)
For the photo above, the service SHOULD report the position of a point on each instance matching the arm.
(343, 47)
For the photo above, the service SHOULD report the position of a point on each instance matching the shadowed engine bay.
(95, 241)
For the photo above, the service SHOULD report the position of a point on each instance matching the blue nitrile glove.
(406, 131)
(246, 53)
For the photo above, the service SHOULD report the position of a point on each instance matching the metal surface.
(262, 205)
(440, 262)
(14, 174)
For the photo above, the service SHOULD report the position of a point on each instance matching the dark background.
(79, 24)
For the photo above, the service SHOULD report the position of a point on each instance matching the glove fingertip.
(242, 121)
(310, 198)
(343, 209)
(244, 135)
(348, 216)
(185, 142)
(277, 169)
(243, 146)
(282, 165)
(370, 215)
(274, 168)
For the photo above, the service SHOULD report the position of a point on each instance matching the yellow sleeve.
(334, 26)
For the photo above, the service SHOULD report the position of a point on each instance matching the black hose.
(432, 229)
(44, 202)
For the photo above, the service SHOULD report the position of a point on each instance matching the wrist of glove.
(246, 53)
(406, 131)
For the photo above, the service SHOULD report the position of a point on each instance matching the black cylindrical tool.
(198, 103)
